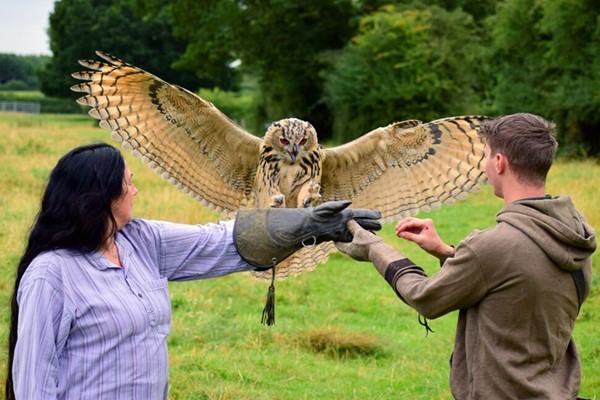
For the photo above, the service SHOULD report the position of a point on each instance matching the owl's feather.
(398, 169)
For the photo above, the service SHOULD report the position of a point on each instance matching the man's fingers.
(409, 225)
(407, 235)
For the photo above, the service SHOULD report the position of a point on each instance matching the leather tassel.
(268, 314)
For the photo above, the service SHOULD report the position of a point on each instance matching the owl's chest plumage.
(278, 176)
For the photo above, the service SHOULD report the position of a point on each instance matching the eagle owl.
(399, 169)
(289, 168)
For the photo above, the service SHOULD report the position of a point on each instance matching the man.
(514, 283)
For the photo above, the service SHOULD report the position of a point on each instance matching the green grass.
(340, 333)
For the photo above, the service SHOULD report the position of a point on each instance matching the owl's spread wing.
(181, 136)
(408, 166)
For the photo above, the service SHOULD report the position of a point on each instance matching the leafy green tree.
(79, 27)
(546, 59)
(279, 42)
(286, 43)
(478, 9)
(283, 44)
(406, 62)
(20, 72)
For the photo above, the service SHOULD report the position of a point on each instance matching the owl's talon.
(312, 194)
(277, 201)
(315, 191)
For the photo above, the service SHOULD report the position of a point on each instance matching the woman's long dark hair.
(75, 214)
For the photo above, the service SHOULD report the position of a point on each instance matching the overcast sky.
(23, 25)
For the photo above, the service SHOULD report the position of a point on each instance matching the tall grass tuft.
(338, 344)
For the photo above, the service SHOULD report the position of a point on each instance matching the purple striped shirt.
(91, 330)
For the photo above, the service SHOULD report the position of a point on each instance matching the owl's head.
(291, 138)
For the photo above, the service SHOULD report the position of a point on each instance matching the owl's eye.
(283, 141)
(303, 141)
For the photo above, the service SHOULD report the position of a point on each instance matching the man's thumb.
(353, 227)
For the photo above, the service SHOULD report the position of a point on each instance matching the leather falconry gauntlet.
(263, 234)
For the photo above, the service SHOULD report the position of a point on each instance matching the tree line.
(20, 72)
(349, 66)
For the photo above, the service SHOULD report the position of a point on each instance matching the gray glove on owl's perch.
(261, 235)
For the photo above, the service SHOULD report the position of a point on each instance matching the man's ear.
(500, 163)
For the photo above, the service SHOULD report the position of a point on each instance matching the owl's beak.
(294, 153)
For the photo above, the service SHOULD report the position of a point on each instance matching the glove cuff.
(257, 240)
(398, 268)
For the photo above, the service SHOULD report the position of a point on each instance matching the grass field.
(341, 333)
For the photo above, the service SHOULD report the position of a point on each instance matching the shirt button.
(140, 295)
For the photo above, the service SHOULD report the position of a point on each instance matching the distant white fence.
(32, 107)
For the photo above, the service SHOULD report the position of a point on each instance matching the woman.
(91, 309)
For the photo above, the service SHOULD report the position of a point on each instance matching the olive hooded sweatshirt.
(517, 299)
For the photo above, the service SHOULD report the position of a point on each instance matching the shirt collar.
(125, 250)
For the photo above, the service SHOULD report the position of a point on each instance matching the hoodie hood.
(556, 227)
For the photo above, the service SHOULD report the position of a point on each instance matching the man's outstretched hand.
(423, 233)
